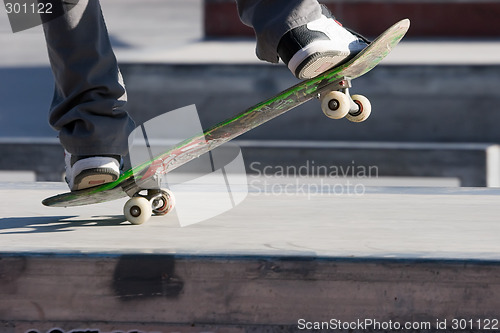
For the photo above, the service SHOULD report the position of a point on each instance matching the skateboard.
(331, 88)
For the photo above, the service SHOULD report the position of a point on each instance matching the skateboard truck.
(140, 207)
(337, 103)
(146, 199)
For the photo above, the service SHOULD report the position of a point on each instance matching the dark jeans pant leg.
(89, 99)
(271, 19)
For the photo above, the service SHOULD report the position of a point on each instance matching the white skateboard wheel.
(365, 109)
(335, 104)
(137, 210)
(165, 203)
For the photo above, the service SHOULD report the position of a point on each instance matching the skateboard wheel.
(164, 203)
(137, 210)
(335, 105)
(365, 109)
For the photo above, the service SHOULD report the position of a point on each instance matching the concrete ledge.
(238, 294)
(399, 254)
(45, 157)
(429, 19)
(425, 103)
(475, 165)
(411, 103)
(421, 103)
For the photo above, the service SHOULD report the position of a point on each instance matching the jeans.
(88, 107)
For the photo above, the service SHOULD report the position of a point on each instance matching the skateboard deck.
(336, 81)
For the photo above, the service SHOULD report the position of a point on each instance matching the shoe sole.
(319, 63)
(94, 177)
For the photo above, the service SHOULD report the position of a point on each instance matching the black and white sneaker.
(87, 171)
(318, 46)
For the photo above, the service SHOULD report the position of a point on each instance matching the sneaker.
(318, 46)
(87, 171)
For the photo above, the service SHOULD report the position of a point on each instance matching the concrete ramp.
(407, 257)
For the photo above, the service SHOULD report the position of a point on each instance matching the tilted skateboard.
(331, 87)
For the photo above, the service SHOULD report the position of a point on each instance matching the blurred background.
(435, 98)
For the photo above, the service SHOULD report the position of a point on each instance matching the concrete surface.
(414, 103)
(403, 255)
(416, 164)
(376, 223)
(471, 165)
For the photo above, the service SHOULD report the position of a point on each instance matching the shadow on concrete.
(51, 224)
